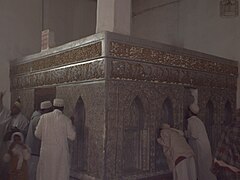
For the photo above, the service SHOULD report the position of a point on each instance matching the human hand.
(12, 145)
(23, 145)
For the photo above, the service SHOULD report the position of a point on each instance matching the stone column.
(114, 16)
(238, 87)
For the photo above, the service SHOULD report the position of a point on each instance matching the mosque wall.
(70, 20)
(203, 29)
(156, 20)
(195, 25)
(5, 82)
(120, 89)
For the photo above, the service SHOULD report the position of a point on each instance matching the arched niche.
(227, 113)
(209, 120)
(166, 117)
(167, 112)
(79, 151)
(135, 139)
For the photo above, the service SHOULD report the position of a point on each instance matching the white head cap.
(165, 126)
(46, 105)
(17, 134)
(194, 108)
(58, 102)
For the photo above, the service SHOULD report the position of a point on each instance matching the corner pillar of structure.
(114, 16)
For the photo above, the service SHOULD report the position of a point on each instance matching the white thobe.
(185, 170)
(198, 140)
(54, 129)
(175, 146)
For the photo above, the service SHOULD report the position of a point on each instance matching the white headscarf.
(18, 149)
(18, 134)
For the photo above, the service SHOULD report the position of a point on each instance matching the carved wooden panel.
(134, 141)
(43, 94)
(209, 121)
(92, 95)
(80, 145)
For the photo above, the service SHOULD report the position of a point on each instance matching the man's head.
(16, 108)
(46, 106)
(162, 127)
(194, 109)
(58, 104)
(165, 126)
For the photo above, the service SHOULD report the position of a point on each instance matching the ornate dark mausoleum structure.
(120, 89)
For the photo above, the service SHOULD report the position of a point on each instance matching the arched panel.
(209, 121)
(135, 140)
(227, 113)
(166, 117)
(167, 113)
(79, 152)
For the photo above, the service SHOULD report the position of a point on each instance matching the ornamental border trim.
(150, 55)
(81, 72)
(91, 51)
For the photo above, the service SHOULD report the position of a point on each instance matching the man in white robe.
(198, 140)
(54, 129)
(178, 153)
(32, 141)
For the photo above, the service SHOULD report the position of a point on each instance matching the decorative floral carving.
(127, 70)
(134, 52)
(85, 71)
(91, 51)
(229, 8)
